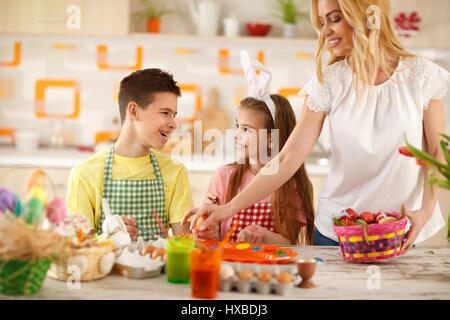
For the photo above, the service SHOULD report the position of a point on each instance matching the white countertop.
(420, 274)
(65, 158)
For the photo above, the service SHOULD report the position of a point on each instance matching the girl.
(374, 93)
(275, 219)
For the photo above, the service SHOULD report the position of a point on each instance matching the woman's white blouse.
(368, 173)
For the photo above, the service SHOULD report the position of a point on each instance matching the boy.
(134, 179)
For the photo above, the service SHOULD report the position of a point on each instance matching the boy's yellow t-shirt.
(85, 187)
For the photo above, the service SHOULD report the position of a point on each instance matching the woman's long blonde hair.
(372, 46)
(284, 210)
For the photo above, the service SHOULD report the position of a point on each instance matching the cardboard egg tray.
(254, 285)
(136, 272)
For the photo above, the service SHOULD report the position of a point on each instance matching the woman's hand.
(417, 220)
(213, 213)
(130, 223)
(251, 234)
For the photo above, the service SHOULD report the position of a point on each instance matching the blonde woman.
(373, 93)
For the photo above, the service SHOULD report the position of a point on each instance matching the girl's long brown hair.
(284, 209)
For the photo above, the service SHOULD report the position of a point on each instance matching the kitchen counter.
(423, 273)
(66, 158)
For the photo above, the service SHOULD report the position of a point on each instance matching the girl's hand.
(251, 234)
(212, 233)
(211, 198)
(417, 220)
(213, 213)
(130, 223)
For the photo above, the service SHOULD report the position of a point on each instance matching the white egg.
(226, 272)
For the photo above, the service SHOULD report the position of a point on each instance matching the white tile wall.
(40, 60)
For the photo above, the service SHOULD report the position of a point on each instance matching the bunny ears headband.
(258, 86)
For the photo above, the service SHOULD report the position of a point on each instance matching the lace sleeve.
(434, 82)
(319, 98)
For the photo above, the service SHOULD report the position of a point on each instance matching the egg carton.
(257, 268)
(137, 272)
(140, 244)
(132, 267)
(254, 285)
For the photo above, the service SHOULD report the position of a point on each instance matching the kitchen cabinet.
(65, 17)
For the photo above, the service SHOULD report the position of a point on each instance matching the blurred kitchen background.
(61, 62)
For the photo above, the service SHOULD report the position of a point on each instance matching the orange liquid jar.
(205, 267)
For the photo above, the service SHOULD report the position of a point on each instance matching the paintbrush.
(160, 225)
(150, 233)
(228, 235)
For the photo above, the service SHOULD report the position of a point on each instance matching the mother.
(373, 93)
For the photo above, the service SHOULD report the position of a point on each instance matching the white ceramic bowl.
(26, 141)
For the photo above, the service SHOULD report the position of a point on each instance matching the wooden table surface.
(423, 273)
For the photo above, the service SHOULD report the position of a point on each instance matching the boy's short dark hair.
(141, 85)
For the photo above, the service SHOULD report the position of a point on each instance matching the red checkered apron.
(260, 214)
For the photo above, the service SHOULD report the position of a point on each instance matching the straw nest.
(19, 241)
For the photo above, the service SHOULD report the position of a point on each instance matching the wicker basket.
(22, 277)
(89, 263)
(373, 242)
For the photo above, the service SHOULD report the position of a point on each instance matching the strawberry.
(368, 217)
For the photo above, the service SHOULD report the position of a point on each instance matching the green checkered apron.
(135, 198)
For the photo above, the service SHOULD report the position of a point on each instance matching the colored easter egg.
(349, 213)
(198, 224)
(353, 215)
(346, 221)
(368, 217)
(56, 211)
(75, 221)
(18, 206)
(35, 179)
(38, 193)
(32, 211)
(380, 216)
(7, 200)
(387, 220)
